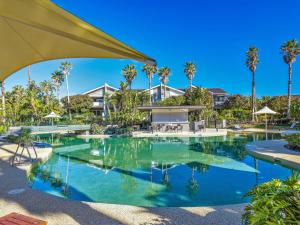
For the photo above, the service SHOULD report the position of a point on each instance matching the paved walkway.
(275, 151)
(17, 196)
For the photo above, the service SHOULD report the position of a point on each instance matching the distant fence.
(53, 129)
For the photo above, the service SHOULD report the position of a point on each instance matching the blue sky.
(214, 34)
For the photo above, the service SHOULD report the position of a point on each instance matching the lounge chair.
(237, 127)
(294, 125)
(19, 219)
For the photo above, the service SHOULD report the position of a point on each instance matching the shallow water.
(189, 171)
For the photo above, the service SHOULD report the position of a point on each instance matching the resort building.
(157, 94)
(98, 95)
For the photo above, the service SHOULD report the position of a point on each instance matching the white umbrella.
(265, 110)
(52, 115)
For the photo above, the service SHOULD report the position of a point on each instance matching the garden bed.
(293, 142)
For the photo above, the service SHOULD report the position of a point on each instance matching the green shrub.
(3, 129)
(293, 140)
(118, 131)
(274, 202)
(96, 129)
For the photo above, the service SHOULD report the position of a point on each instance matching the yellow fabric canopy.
(32, 31)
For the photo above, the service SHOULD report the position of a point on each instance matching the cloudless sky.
(214, 34)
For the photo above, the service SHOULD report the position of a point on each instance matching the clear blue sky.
(215, 34)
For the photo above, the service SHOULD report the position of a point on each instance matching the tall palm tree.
(164, 74)
(58, 79)
(129, 72)
(150, 70)
(3, 100)
(66, 68)
(190, 71)
(251, 62)
(29, 74)
(290, 50)
(47, 88)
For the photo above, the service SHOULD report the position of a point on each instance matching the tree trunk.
(165, 91)
(68, 96)
(57, 91)
(3, 100)
(191, 84)
(289, 91)
(29, 73)
(253, 97)
(150, 84)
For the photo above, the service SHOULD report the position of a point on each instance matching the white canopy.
(265, 110)
(52, 115)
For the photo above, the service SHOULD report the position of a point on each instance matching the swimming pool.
(188, 171)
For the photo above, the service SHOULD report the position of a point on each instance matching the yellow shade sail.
(32, 31)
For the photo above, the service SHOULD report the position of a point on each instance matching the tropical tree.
(290, 50)
(190, 70)
(3, 100)
(58, 79)
(150, 70)
(164, 74)
(251, 62)
(129, 72)
(66, 68)
(46, 87)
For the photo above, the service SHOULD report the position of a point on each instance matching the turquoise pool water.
(154, 171)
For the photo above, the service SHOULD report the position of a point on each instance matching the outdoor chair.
(19, 219)
(24, 142)
(179, 127)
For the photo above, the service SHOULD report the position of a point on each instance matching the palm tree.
(58, 79)
(164, 73)
(290, 50)
(66, 68)
(129, 72)
(3, 100)
(47, 88)
(150, 70)
(190, 70)
(251, 62)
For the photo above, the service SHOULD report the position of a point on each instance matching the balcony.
(97, 104)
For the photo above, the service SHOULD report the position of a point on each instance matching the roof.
(217, 91)
(161, 85)
(181, 107)
(98, 88)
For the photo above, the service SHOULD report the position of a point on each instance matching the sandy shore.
(274, 151)
(17, 196)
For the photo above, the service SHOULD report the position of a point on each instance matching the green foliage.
(190, 70)
(173, 101)
(238, 102)
(274, 202)
(295, 109)
(96, 129)
(252, 58)
(129, 73)
(125, 103)
(196, 96)
(79, 104)
(3, 129)
(293, 140)
(26, 106)
(118, 131)
(150, 70)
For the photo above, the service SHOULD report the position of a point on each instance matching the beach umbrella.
(38, 30)
(265, 111)
(52, 115)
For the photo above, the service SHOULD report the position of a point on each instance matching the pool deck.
(209, 132)
(59, 211)
(274, 151)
